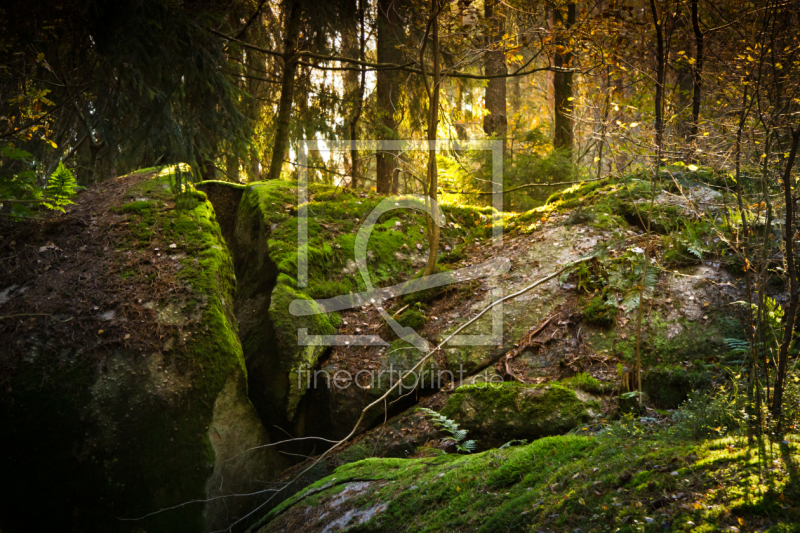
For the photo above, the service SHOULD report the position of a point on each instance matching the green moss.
(587, 383)
(566, 483)
(600, 311)
(412, 318)
(239, 186)
(268, 219)
(120, 441)
(497, 413)
(668, 387)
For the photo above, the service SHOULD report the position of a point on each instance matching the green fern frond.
(61, 188)
(450, 426)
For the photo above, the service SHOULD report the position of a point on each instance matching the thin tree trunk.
(660, 75)
(697, 83)
(496, 122)
(563, 82)
(603, 125)
(659, 104)
(291, 34)
(794, 287)
(388, 83)
(433, 124)
(461, 129)
(359, 100)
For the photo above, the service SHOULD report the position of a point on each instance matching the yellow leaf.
(458, 489)
(741, 521)
(693, 168)
(634, 124)
(53, 144)
(100, 332)
(582, 502)
(40, 56)
(705, 134)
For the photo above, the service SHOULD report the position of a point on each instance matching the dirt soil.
(64, 277)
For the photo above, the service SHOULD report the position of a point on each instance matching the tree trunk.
(461, 129)
(433, 125)
(658, 23)
(697, 81)
(562, 81)
(496, 121)
(388, 82)
(794, 286)
(359, 99)
(283, 121)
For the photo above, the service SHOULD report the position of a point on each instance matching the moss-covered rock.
(562, 483)
(266, 257)
(668, 387)
(496, 413)
(149, 409)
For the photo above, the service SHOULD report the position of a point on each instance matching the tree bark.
(496, 121)
(283, 121)
(433, 125)
(388, 82)
(794, 286)
(359, 100)
(563, 81)
(697, 81)
(658, 24)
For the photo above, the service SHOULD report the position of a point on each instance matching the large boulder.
(124, 390)
(497, 413)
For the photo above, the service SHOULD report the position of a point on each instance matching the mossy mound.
(564, 483)
(496, 413)
(145, 411)
(668, 387)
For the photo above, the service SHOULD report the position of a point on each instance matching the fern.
(61, 188)
(631, 302)
(457, 435)
(737, 345)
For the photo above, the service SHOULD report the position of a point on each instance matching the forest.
(399, 265)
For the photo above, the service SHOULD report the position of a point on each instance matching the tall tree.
(496, 121)
(388, 86)
(697, 70)
(291, 34)
(432, 88)
(358, 100)
(563, 79)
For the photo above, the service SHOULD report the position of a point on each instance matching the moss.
(134, 437)
(601, 312)
(497, 413)
(587, 383)
(238, 186)
(668, 387)
(141, 207)
(267, 221)
(412, 318)
(562, 484)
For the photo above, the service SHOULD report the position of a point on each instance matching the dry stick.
(420, 363)
(513, 353)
